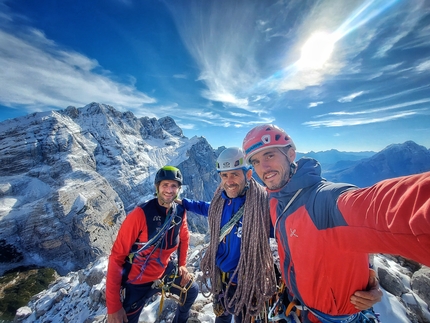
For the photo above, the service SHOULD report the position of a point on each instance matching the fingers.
(185, 275)
(365, 299)
(185, 279)
(118, 317)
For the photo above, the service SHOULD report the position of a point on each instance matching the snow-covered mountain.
(68, 178)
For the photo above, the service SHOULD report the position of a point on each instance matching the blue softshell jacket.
(228, 253)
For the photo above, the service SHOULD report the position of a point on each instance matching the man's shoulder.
(180, 209)
(148, 204)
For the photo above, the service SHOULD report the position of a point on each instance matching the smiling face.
(233, 182)
(167, 192)
(273, 167)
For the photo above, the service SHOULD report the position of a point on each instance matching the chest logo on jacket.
(293, 233)
(239, 230)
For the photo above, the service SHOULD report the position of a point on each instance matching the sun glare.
(316, 51)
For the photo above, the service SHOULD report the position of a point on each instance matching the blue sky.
(349, 75)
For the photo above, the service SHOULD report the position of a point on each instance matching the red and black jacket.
(141, 225)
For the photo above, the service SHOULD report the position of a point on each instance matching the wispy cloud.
(187, 126)
(315, 104)
(219, 36)
(423, 66)
(392, 68)
(180, 76)
(217, 118)
(350, 97)
(357, 121)
(404, 27)
(377, 110)
(399, 94)
(375, 115)
(38, 74)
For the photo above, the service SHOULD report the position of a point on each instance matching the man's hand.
(178, 201)
(186, 276)
(363, 300)
(117, 317)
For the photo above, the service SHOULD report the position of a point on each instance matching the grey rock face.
(169, 125)
(391, 282)
(68, 178)
(409, 283)
(420, 284)
(201, 180)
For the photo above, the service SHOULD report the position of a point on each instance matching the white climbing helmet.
(230, 159)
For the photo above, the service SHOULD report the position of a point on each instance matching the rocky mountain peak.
(69, 177)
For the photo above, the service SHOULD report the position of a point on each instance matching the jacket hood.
(308, 173)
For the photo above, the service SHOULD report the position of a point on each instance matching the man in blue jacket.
(238, 220)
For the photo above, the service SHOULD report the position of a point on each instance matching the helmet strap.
(293, 165)
(293, 168)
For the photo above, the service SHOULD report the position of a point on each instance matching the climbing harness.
(167, 282)
(366, 316)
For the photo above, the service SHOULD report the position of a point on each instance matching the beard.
(165, 201)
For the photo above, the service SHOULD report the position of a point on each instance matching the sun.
(316, 51)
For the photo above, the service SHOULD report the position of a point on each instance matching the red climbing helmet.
(265, 136)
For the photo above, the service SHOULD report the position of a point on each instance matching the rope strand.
(256, 281)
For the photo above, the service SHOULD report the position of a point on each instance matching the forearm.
(390, 217)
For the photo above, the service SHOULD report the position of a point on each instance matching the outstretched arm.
(199, 207)
(392, 216)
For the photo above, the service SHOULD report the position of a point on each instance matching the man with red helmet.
(325, 230)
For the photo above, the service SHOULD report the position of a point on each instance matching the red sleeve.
(392, 216)
(127, 235)
(184, 242)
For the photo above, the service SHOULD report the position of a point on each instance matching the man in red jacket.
(140, 261)
(325, 230)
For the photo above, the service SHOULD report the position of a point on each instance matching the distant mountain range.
(330, 157)
(367, 168)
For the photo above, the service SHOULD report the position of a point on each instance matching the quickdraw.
(262, 317)
(218, 307)
(278, 311)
